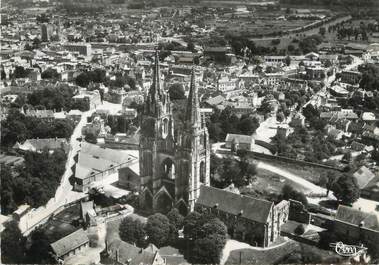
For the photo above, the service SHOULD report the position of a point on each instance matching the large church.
(172, 168)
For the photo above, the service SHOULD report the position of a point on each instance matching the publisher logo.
(348, 250)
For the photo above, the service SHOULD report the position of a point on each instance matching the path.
(312, 188)
(64, 193)
(232, 244)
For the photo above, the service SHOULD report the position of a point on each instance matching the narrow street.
(64, 193)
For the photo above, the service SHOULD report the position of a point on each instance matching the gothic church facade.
(173, 167)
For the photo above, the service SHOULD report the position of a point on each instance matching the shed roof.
(69, 242)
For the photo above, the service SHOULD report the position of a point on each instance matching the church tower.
(172, 170)
(192, 153)
(157, 148)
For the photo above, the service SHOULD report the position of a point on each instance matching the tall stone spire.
(193, 118)
(155, 89)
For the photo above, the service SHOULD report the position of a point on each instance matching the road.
(64, 193)
(307, 185)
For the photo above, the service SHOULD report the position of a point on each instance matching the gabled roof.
(129, 254)
(247, 207)
(238, 138)
(357, 217)
(40, 144)
(363, 176)
(70, 242)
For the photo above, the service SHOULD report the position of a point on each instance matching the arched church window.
(202, 172)
(168, 169)
(165, 127)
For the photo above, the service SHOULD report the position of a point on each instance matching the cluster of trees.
(56, 98)
(205, 236)
(288, 192)
(176, 92)
(34, 183)
(243, 46)
(121, 81)
(350, 3)
(50, 73)
(96, 76)
(312, 115)
(223, 122)
(19, 72)
(315, 147)
(17, 128)
(310, 43)
(225, 171)
(118, 124)
(17, 249)
(160, 230)
(370, 77)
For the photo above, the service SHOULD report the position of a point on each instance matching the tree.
(132, 231)
(288, 60)
(91, 138)
(209, 240)
(322, 31)
(175, 218)
(12, 244)
(176, 92)
(346, 189)
(288, 192)
(158, 229)
(19, 72)
(299, 230)
(191, 46)
(50, 73)
(39, 251)
(190, 224)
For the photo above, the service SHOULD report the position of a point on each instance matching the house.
(47, 115)
(88, 213)
(363, 176)
(91, 97)
(371, 190)
(96, 163)
(129, 178)
(255, 221)
(353, 225)
(10, 160)
(368, 117)
(70, 244)
(239, 142)
(351, 77)
(120, 252)
(298, 120)
(39, 145)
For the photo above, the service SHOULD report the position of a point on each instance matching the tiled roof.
(357, 217)
(49, 143)
(128, 253)
(239, 138)
(70, 242)
(363, 176)
(247, 207)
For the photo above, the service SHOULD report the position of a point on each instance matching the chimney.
(117, 255)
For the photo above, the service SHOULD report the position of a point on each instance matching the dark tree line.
(225, 171)
(33, 184)
(17, 128)
(224, 122)
(55, 98)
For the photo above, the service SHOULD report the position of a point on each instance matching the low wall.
(290, 160)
